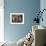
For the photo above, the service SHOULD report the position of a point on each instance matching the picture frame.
(16, 18)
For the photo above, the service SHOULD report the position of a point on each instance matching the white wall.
(1, 20)
(43, 6)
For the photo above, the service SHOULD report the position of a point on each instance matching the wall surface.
(29, 8)
(1, 20)
(43, 6)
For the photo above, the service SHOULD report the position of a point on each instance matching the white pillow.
(21, 42)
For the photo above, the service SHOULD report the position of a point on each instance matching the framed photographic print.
(17, 18)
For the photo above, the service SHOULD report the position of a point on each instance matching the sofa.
(39, 37)
(39, 33)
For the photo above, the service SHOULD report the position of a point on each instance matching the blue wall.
(28, 7)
